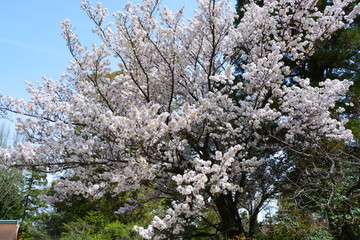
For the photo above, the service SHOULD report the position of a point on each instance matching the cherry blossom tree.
(157, 104)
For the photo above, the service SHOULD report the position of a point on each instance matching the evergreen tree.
(327, 183)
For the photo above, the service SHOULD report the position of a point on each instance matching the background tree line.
(323, 184)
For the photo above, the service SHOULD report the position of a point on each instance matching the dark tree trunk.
(348, 232)
(231, 225)
(253, 223)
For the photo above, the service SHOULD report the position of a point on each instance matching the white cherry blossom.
(173, 115)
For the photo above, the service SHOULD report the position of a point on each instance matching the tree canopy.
(175, 117)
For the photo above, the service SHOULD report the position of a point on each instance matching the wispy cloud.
(33, 48)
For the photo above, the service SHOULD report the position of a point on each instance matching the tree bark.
(253, 223)
(348, 232)
(231, 224)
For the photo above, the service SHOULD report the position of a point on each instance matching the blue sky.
(31, 45)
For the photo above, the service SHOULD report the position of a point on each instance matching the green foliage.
(11, 181)
(327, 183)
(33, 232)
(21, 193)
(294, 224)
(32, 191)
(95, 226)
(330, 188)
(82, 218)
